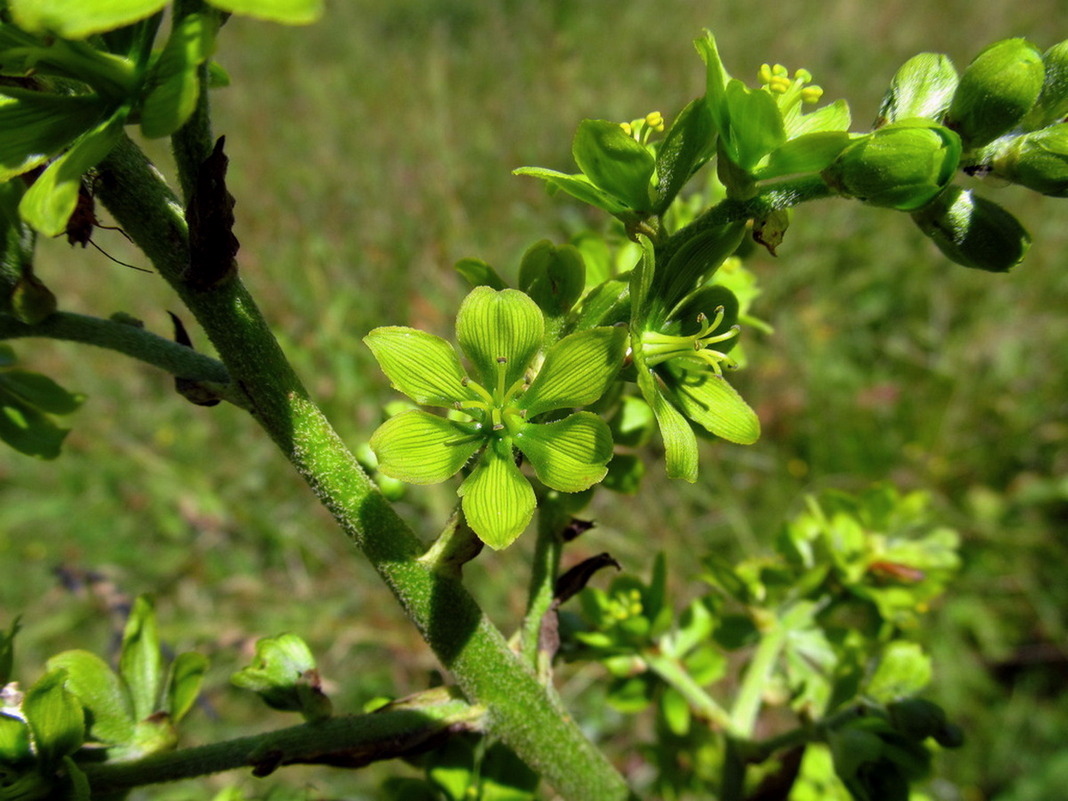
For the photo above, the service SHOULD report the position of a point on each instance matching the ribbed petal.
(494, 325)
(422, 448)
(569, 455)
(577, 370)
(498, 501)
(712, 403)
(422, 366)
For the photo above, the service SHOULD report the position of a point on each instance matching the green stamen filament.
(495, 410)
(658, 348)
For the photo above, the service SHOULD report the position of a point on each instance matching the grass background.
(371, 151)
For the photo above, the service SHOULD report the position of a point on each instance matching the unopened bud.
(1052, 103)
(974, 231)
(922, 87)
(902, 166)
(996, 90)
(1038, 160)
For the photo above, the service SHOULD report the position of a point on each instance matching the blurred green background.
(373, 150)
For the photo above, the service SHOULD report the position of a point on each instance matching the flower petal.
(568, 455)
(493, 325)
(422, 448)
(680, 443)
(498, 501)
(422, 366)
(577, 370)
(711, 402)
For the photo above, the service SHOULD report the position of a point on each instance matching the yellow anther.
(811, 94)
(654, 119)
(764, 73)
(779, 84)
(626, 128)
(780, 70)
(802, 75)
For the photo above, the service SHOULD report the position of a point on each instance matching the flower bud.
(996, 90)
(902, 166)
(922, 87)
(974, 231)
(1038, 160)
(1052, 103)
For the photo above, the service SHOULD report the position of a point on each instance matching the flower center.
(697, 348)
(496, 409)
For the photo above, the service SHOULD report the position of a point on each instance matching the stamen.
(502, 374)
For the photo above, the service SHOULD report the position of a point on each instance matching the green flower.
(680, 348)
(493, 413)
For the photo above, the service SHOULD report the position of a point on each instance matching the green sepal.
(140, 661)
(184, 682)
(615, 162)
(497, 499)
(755, 125)
(284, 674)
(1052, 103)
(606, 305)
(77, 19)
(478, 273)
(34, 126)
(805, 154)
(675, 711)
(922, 87)
(833, 118)
(174, 78)
(974, 231)
(31, 301)
(716, 78)
(1037, 160)
(422, 366)
(579, 187)
(101, 692)
(680, 443)
(554, 277)
(712, 403)
(15, 747)
(688, 144)
(568, 455)
(494, 325)
(48, 204)
(690, 267)
(996, 91)
(577, 370)
(903, 669)
(55, 717)
(287, 12)
(421, 448)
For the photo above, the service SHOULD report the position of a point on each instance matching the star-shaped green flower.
(493, 413)
(680, 337)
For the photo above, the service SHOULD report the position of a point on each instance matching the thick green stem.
(747, 704)
(523, 713)
(350, 741)
(552, 519)
(669, 669)
(127, 338)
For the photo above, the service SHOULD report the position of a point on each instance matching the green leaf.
(498, 501)
(34, 126)
(577, 370)
(174, 79)
(40, 391)
(287, 12)
(676, 712)
(77, 19)
(578, 186)
(712, 403)
(505, 777)
(492, 326)
(688, 144)
(422, 448)
(187, 675)
(48, 204)
(55, 717)
(102, 694)
(27, 429)
(554, 277)
(903, 670)
(479, 273)
(568, 455)
(614, 161)
(422, 366)
(805, 154)
(278, 671)
(140, 663)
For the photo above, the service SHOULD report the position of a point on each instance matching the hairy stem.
(523, 713)
(349, 741)
(669, 669)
